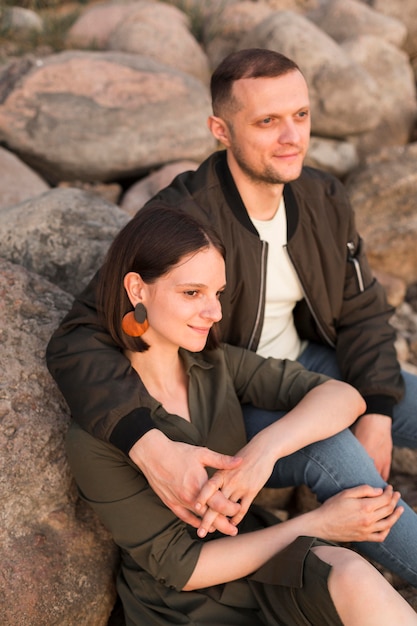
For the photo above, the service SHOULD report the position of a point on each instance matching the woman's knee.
(349, 570)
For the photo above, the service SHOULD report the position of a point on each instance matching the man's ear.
(133, 284)
(219, 130)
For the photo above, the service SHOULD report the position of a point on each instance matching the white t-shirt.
(279, 337)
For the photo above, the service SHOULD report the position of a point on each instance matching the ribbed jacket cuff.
(381, 405)
(131, 428)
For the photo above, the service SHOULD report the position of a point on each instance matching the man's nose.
(289, 132)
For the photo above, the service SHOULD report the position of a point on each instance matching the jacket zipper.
(356, 265)
(262, 293)
(319, 324)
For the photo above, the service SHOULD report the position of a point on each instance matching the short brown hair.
(153, 242)
(248, 63)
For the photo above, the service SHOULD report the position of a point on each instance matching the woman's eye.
(192, 293)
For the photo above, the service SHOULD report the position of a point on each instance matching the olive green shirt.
(159, 551)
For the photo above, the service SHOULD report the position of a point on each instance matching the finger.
(244, 507)
(215, 483)
(186, 516)
(391, 505)
(220, 503)
(385, 525)
(225, 526)
(363, 491)
(207, 523)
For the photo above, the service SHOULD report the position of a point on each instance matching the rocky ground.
(68, 81)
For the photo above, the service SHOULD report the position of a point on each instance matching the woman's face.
(184, 304)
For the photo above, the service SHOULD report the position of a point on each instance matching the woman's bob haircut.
(151, 244)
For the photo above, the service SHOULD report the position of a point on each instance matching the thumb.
(364, 491)
(209, 458)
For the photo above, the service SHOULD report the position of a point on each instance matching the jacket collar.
(235, 202)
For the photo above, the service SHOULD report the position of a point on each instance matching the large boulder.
(397, 92)
(57, 561)
(96, 23)
(144, 189)
(161, 32)
(405, 11)
(62, 235)
(153, 29)
(383, 193)
(17, 181)
(100, 116)
(344, 97)
(223, 29)
(348, 19)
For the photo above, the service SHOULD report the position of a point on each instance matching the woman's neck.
(163, 374)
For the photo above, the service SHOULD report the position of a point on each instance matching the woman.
(160, 294)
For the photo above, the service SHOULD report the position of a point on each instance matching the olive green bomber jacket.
(343, 306)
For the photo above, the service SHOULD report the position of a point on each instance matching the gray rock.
(62, 235)
(224, 28)
(18, 181)
(142, 191)
(96, 23)
(337, 157)
(16, 19)
(391, 70)
(344, 97)
(57, 561)
(161, 32)
(348, 19)
(383, 193)
(99, 116)
(405, 11)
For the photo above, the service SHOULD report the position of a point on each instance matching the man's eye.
(266, 120)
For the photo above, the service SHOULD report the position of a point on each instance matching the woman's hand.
(362, 513)
(240, 484)
(176, 471)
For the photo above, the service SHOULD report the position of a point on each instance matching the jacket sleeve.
(365, 338)
(154, 539)
(272, 384)
(95, 378)
(344, 306)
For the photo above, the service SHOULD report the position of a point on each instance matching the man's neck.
(261, 200)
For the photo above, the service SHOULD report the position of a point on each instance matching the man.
(298, 286)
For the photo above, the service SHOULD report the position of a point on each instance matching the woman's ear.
(219, 130)
(133, 284)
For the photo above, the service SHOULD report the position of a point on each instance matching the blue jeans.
(340, 462)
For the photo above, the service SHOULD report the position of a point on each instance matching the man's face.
(269, 134)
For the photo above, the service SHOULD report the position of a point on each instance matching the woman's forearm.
(230, 558)
(324, 411)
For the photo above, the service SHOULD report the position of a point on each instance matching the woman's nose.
(213, 310)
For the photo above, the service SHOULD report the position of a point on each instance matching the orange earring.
(135, 323)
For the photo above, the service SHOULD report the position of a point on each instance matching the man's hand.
(374, 433)
(362, 513)
(176, 471)
(240, 484)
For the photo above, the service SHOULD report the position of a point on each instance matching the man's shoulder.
(192, 190)
(316, 183)
(316, 176)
